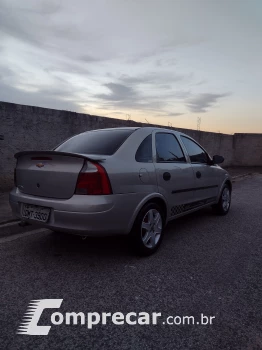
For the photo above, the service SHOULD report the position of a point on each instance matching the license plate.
(35, 212)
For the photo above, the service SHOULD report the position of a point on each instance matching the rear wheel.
(147, 232)
(223, 206)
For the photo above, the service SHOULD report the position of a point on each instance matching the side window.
(168, 148)
(144, 152)
(196, 153)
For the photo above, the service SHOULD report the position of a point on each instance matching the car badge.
(40, 165)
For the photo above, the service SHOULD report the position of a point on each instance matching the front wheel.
(147, 232)
(223, 206)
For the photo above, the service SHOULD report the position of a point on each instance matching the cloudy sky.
(166, 61)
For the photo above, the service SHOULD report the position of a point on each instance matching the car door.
(175, 177)
(205, 172)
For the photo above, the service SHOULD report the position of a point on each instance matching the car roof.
(118, 128)
(152, 128)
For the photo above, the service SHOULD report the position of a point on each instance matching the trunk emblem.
(40, 165)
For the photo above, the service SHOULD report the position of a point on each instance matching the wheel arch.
(152, 198)
(229, 183)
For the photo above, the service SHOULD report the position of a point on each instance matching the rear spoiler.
(55, 153)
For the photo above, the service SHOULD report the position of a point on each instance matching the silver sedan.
(128, 181)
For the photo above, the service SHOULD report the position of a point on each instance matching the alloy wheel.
(151, 228)
(226, 199)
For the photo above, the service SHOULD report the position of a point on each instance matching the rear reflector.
(93, 183)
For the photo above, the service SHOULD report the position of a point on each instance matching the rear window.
(104, 142)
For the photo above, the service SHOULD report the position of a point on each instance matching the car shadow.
(62, 244)
(106, 246)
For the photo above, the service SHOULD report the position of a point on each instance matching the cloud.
(45, 26)
(169, 114)
(201, 82)
(59, 95)
(32, 29)
(49, 7)
(131, 97)
(6, 72)
(144, 56)
(67, 67)
(38, 98)
(202, 102)
(180, 94)
(118, 93)
(127, 97)
(160, 77)
(172, 114)
(45, 7)
(166, 62)
(160, 54)
(87, 58)
(128, 58)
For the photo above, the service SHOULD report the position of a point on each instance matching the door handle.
(198, 174)
(166, 176)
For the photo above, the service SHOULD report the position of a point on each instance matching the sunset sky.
(168, 62)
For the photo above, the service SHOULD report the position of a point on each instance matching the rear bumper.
(84, 215)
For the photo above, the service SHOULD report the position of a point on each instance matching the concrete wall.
(34, 128)
(247, 149)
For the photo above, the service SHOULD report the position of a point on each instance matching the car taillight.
(93, 183)
(15, 177)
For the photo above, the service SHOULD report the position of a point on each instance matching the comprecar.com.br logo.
(29, 324)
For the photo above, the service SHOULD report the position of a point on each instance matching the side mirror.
(218, 159)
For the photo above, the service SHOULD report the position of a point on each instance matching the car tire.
(147, 232)
(223, 206)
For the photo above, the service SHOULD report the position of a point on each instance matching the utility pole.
(198, 123)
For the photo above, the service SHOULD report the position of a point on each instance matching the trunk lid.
(49, 173)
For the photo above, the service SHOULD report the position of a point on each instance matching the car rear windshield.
(101, 142)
